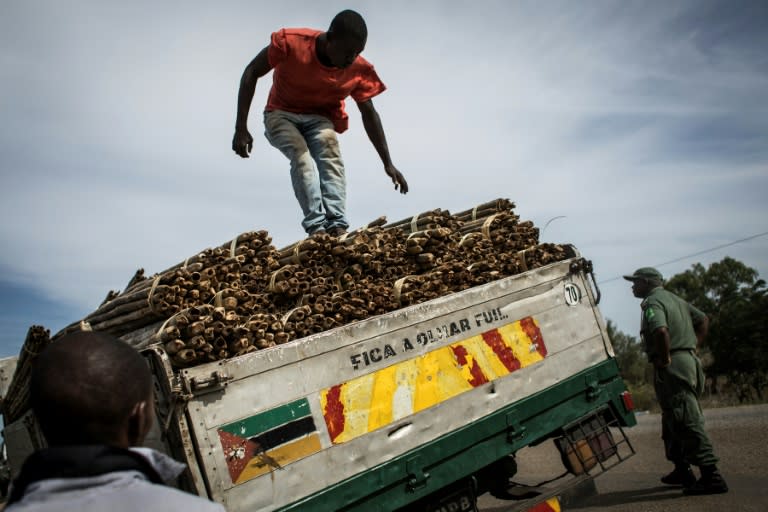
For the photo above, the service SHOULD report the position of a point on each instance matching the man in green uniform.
(671, 330)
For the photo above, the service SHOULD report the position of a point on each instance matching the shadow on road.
(660, 493)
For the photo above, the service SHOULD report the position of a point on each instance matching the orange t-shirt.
(303, 85)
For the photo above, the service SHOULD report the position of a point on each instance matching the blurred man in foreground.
(93, 398)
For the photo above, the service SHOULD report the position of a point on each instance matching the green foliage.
(735, 299)
(633, 366)
(629, 354)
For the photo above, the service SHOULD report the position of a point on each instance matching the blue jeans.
(317, 171)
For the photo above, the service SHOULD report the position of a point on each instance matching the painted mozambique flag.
(269, 440)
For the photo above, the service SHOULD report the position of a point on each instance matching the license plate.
(462, 500)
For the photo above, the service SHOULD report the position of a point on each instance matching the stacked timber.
(16, 400)
(247, 295)
(193, 282)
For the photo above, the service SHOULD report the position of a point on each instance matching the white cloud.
(114, 149)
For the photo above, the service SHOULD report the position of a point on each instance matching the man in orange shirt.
(314, 72)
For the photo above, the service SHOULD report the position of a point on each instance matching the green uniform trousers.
(678, 387)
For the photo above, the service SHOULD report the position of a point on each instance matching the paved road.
(740, 437)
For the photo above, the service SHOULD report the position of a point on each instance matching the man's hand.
(242, 143)
(397, 178)
(662, 362)
(372, 125)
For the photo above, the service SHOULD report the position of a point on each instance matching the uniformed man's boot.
(681, 475)
(711, 482)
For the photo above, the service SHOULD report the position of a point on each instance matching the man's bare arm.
(662, 357)
(372, 124)
(701, 328)
(242, 142)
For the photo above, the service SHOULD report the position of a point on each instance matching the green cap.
(649, 274)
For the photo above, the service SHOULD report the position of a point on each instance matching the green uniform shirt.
(665, 309)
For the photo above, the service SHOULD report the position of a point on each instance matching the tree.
(633, 366)
(629, 354)
(735, 299)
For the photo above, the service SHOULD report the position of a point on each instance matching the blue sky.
(644, 124)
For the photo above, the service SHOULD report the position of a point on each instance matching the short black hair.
(349, 24)
(84, 386)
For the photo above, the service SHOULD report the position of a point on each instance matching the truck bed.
(379, 413)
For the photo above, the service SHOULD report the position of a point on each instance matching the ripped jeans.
(317, 171)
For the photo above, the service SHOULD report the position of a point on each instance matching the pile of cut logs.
(247, 295)
(16, 400)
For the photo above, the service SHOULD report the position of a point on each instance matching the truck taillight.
(629, 404)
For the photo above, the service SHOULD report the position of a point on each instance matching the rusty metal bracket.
(170, 398)
(591, 277)
(593, 388)
(585, 266)
(417, 477)
(176, 407)
(215, 381)
(515, 430)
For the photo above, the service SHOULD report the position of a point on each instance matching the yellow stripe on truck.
(377, 399)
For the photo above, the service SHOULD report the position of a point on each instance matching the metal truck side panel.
(469, 448)
(340, 355)
(377, 447)
(299, 350)
(465, 356)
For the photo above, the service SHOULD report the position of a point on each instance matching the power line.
(705, 251)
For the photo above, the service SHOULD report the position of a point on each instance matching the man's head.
(644, 280)
(92, 388)
(347, 36)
